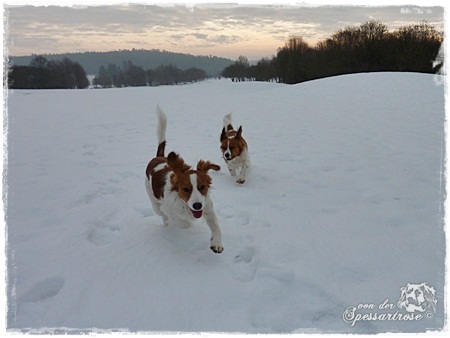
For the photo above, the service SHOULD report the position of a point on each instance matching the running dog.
(179, 193)
(234, 150)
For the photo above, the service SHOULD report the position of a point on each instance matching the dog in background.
(234, 150)
(179, 193)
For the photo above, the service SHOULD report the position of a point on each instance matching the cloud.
(217, 39)
(203, 40)
(194, 29)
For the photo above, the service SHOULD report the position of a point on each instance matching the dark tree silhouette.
(132, 75)
(44, 74)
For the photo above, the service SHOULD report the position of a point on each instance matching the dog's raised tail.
(161, 131)
(227, 122)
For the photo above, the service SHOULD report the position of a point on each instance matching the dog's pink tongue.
(197, 214)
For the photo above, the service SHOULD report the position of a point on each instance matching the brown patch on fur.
(229, 133)
(205, 166)
(158, 178)
(182, 184)
(180, 179)
(176, 163)
(161, 148)
(204, 181)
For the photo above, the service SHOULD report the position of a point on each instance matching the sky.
(253, 29)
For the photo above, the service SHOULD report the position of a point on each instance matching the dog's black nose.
(197, 206)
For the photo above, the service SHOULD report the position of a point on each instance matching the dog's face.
(417, 297)
(414, 294)
(192, 185)
(232, 143)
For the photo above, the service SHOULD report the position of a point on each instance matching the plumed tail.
(161, 131)
(227, 122)
(162, 124)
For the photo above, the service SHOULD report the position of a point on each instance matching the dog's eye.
(186, 190)
(202, 187)
(231, 148)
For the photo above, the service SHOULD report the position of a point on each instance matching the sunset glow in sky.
(253, 30)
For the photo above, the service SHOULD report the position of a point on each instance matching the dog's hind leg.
(155, 204)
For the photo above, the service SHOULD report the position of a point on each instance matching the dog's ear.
(239, 133)
(176, 163)
(223, 136)
(205, 166)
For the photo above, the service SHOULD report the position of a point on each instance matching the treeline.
(131, 75)
(44, 74)
(367, 48)
(147, 59)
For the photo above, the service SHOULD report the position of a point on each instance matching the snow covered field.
(343, 208)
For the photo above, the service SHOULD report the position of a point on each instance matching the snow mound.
(343, 206)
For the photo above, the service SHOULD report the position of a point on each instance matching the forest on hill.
(371, 47)
(130, 75)
(146, 59)
(41, 73)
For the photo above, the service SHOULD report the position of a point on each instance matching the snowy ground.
(343, 207)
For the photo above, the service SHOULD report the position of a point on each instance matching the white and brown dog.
(180, 194)
(234, 150)
(417, 298)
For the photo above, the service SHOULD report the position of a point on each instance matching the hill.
(343, 206)
(147, 59)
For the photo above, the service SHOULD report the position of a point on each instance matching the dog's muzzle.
(228, 156)
(197, 210)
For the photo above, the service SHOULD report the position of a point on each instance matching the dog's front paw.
(216, 246)
(240, 181)
(217, 249)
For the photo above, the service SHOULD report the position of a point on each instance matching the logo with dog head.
(417, 298)
(416, 302)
